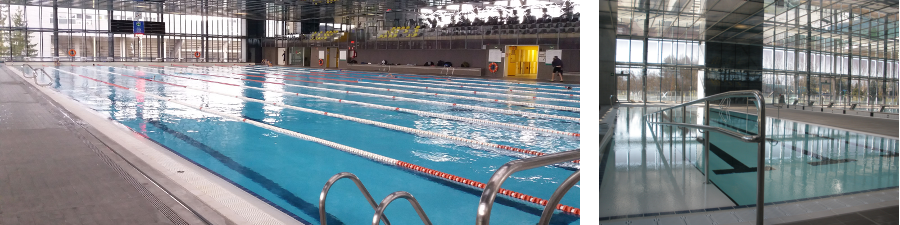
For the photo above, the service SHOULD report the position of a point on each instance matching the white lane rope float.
(510, 88)
(488, 82)
(492, 93)
(464, 91)
(480, 108)
(477, 92)
(505, 87)
(358, 120)
(529, 104)
(355, 151)
(383, 107)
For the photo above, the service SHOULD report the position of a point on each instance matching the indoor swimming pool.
(655, 170)
(381, 127)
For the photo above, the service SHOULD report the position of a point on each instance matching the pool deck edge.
(205, 192)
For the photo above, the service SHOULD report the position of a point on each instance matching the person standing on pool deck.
(557, 69)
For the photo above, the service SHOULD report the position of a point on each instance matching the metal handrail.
(359, 185)
(557, 196)
(35, 73)
(379, 211)
(493, 185)
(46, 75)
(759, 139)
(32, 69)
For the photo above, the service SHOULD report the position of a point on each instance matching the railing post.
(706, 142)
(760, 161)
(683, 120)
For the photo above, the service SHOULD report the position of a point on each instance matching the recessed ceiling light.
(741, 26)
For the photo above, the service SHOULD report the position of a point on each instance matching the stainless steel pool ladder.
(759, 138)
(448, 71)
(379, 208)
(35, 74)
(492, 187)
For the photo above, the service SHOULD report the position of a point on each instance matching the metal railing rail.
(448, 71)
(492, 187)
(759, 138)
(362, 188)
(557, 196)
(32, 69)
(379, 211)
(35, 75)
(573, 179)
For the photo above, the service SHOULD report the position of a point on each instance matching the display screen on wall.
(127, 27)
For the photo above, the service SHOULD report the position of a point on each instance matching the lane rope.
(359, 120)
(489, 93)
(484, 82)
(355, 151)
(391, 108)
(536, 105)
(481, 108)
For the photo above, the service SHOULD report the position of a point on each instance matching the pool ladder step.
(488, 196)
(379, 209)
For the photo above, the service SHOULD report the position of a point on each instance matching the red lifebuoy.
(493, 67)
(197, 54)
(72, 52)
(321, 62)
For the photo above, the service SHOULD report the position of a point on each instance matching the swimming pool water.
(804, 161)
(289, 173)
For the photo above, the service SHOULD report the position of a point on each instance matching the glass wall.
(29, 31)
(837, 54)
(674, 51)
(815, 52)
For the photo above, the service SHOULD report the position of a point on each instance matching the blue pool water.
(289, 173)
(804, 161)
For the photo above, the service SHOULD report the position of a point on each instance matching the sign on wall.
(494, 55)
(343, 55)
(321, 54)
(550, 54)
(138, 27)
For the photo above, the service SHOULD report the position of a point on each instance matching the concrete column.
(112, 39)
(55, 29)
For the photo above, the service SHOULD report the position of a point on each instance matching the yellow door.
(512, 61)
(522, 61)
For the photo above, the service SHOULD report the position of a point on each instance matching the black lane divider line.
(737, 165)
(521, 206)
(888, 153)
(308, 208)
(824, 160)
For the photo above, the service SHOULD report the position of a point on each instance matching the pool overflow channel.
(490, 190)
